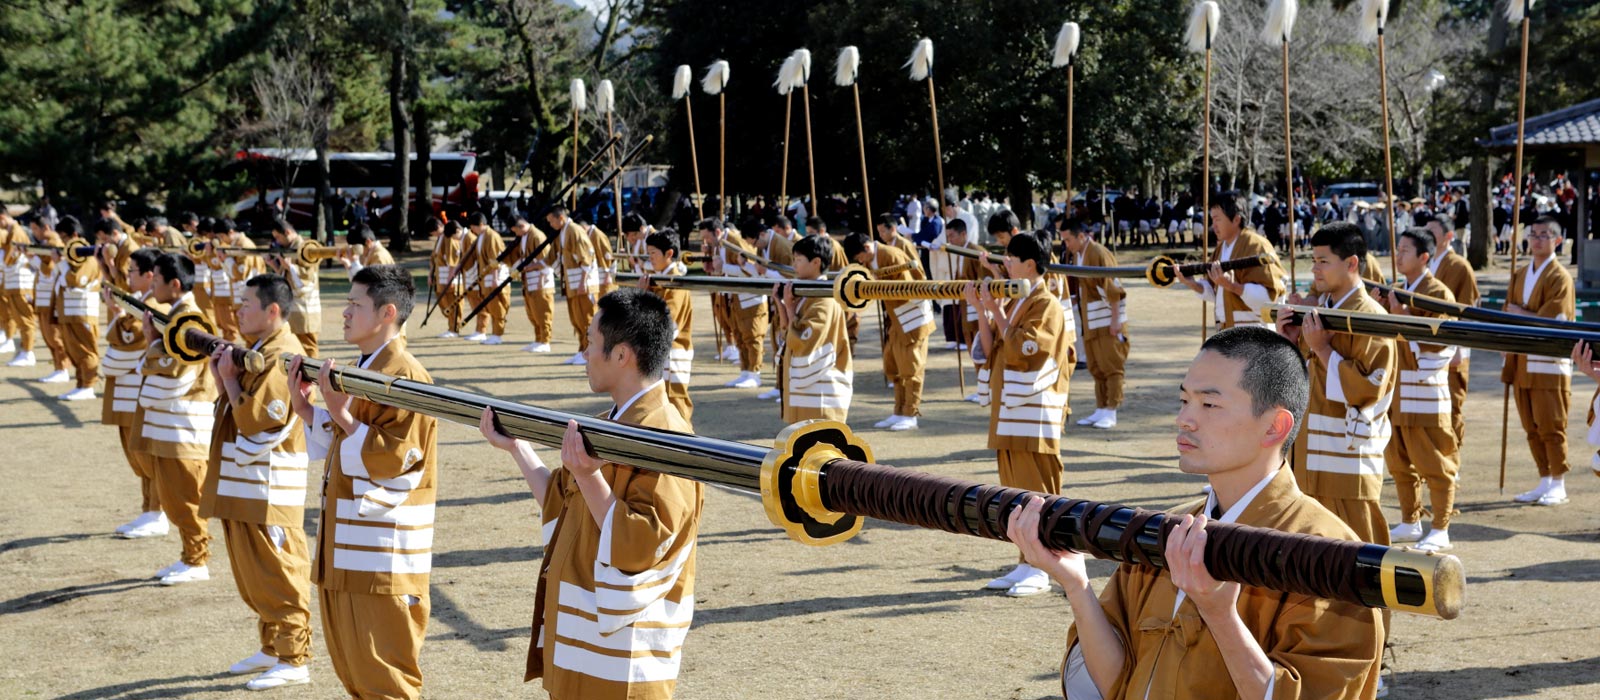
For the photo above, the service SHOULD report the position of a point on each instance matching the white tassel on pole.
(681, 82)
(921, 61)
(716, 79)
(605, 98)
(848, 67)
(1373, 15)
(802, 59)
(786, 72)
(580, 96)
(1516, 9)
(1066, 44)
(1203, 22)
(1280, 21)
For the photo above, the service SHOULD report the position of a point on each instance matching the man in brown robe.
(616, 589)
(1176, 633)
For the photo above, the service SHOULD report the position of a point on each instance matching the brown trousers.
(50, 331)
(494, 313)
(81, 338)
(20, 324)
(750, 332)
(227, 323)
(678, 396)
(374, 642)
(178, 482)
(1418, 454)
(540, 304)
(309, 342)
(1544, 419)
(1107, 357)
(274, 579)
(1364, 517)
(580, 311)
(143, 467)
(721, 324)
(450, 306)
(904, 359)
(1458, 399)
(1029, 470)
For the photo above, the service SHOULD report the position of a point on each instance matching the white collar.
(1244, 502)
(1343, 298)
(617, 411)
(1412, 284)
(1231, 516)
(1433, 263)
(363, 364)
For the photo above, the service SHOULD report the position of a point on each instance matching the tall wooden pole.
(722, 154)
(1288, 168)
(574, 197)
(1069, 137)
(1516, 223)
(811, 161)
(694, 160)
(1205, 177)
(861, 143)
(938, 152)
(783, 179)
(1388, 168)
(616, 187)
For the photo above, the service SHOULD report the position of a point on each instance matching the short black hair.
(433, 224)
(187, 217)
(640, 320)
(1425, 218)
(820, 224)
(1029, 248)
(1228, 202)
(170, 266)
(663, 241)
(888, 220)
(68, 226)
(1072, 223)
(224, 225)
(712, 224)
(106, 226)
(477, 219)
(1003, 220)
(272, 289)
(388, 284)
(632, 222)
(207, 225)
(144, 259)
(781, 221)
(854, 244)
(360, 233)
(1420, 238)
(558, 210)
(451, 229)
(155, 222)
(1552, 222)
(815, 247)
(1274, 372)
(957, 224)
(1343, 238)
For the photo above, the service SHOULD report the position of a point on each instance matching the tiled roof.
(1573, 126)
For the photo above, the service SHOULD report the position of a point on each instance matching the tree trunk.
(424, 148)
(1482, 204)
(323, 227)
(400, 119)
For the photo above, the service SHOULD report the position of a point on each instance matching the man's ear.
(1278, 431)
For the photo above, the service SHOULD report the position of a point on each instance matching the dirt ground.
(894, 613)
